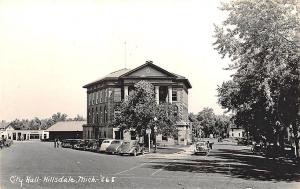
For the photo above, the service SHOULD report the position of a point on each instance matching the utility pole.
(125, 54)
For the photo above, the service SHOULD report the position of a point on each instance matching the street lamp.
(155, 131)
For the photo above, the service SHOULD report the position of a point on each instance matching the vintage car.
(89, 143)
(74, 142)
(105, 144)
(201, 148)
(243, 141)
(257, 148)
(66, 143)
(114, 146)
(289, 151)
(96, 145)
(80, 145)
(131, 148)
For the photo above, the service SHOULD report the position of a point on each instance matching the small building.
(8, 132)
(236, 132)
(66, 130)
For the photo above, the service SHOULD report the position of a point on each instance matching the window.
(105, 114)
(92, 115)
(104, 95)
(164, 137)
(97, 97)
(101, 96)
(175, 111)
(89, 115)
(101, 121)
(93, 98)
(117, 95)
(174, 95)
(90, 98)
(104, 134)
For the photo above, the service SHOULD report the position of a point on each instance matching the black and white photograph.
(149, 94)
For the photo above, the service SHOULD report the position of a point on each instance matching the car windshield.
(106, 141)
(116, 142)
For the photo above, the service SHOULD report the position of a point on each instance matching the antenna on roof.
(125, 54)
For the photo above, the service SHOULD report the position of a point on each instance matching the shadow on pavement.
(237, 164)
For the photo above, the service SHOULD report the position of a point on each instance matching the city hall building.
(106, 94)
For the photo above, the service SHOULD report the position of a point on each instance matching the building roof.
(112, 75)
(123, 73)
(67, 126)
(4, 125)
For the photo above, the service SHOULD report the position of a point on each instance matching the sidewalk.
(175, 151)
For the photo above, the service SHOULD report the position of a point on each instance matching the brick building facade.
(106, 94)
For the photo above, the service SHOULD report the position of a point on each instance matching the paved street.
(40, 165)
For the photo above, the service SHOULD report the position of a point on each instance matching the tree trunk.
(298, 91)
(296, 137)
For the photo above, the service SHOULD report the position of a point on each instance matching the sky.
(49, 49)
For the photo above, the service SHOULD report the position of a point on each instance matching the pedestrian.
(210, 145)
(58, 143)
(55, 143)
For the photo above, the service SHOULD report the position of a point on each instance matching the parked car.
(272, 151)
(89, 144)
(131, 148)
(114, 146)
(201, 148)
(74, 142)
(105, 144)
(66, 143)
(96, 145)
(257, 148)
(289, 151)
(243, 141)
(79, 145)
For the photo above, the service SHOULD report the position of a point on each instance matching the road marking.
(162, 168)
(130, 169)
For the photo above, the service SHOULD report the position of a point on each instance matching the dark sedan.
(131, 148)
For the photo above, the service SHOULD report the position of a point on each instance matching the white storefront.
(11, 133)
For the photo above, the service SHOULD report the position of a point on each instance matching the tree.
(59, 117)
(196, 125)
(78, 118)
(222, 124)
(206, 117)
(259, 37)
(139, 111)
